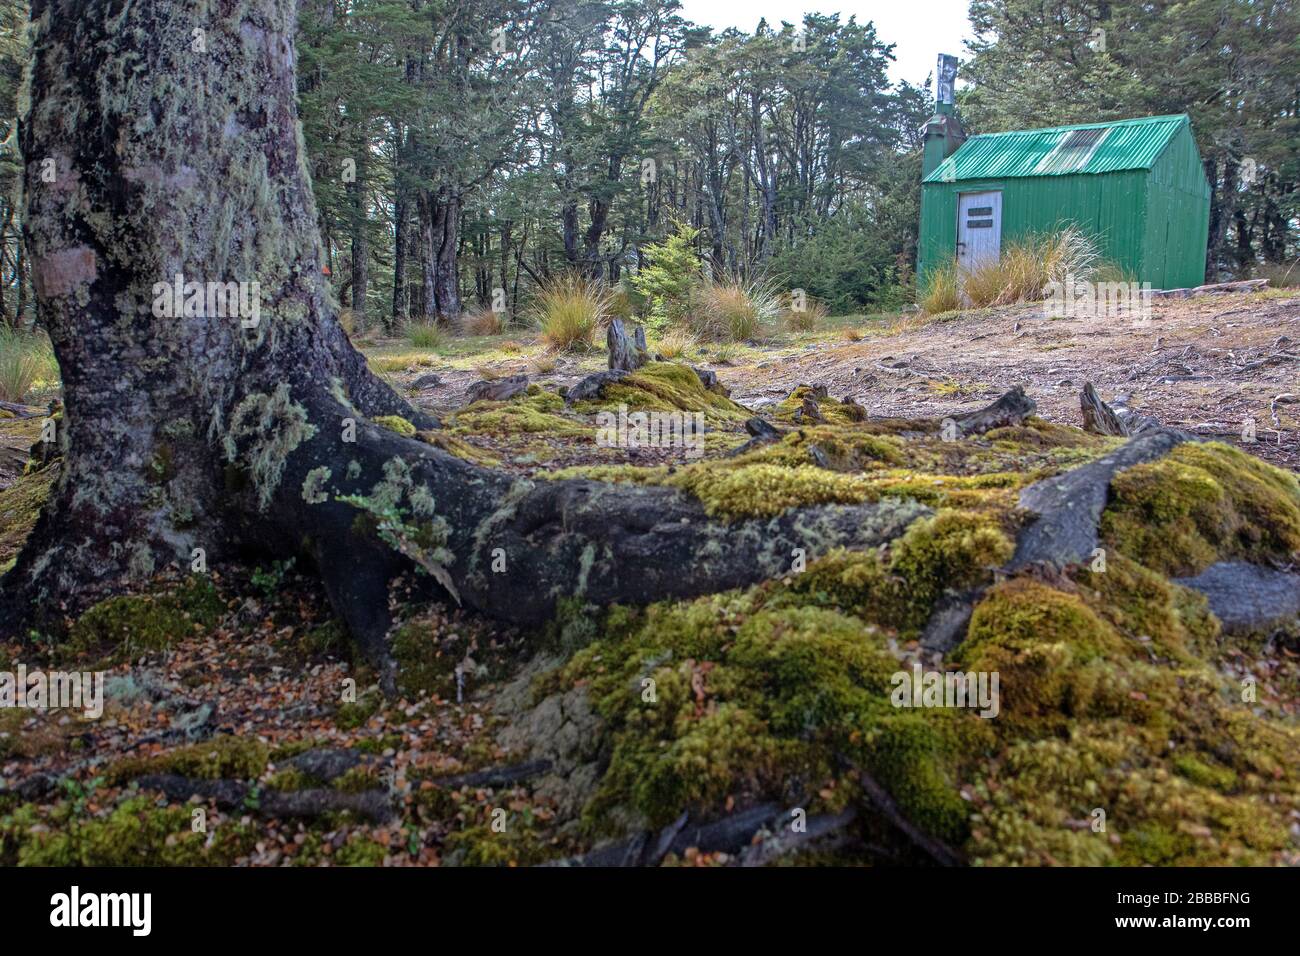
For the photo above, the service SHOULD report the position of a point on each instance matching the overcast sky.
(920, 29)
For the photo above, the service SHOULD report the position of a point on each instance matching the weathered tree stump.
(626, 354)
(1098, 417)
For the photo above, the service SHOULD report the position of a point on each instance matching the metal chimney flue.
(943, 133)
(945, 78)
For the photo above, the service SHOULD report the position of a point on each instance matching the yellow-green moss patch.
(1200, 504)
(135, 623)
(396, 423)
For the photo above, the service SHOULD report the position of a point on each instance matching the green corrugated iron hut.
(1136, 185)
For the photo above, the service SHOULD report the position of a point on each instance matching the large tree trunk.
(446, 236)
(197, 432)
(360, 255)
(399, 313)
(427, 307)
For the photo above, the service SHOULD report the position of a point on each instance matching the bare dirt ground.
(1206, 365)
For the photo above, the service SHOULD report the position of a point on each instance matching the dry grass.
(675, 343)
(1280, 275)
(26, 360)
(733, 310)
(568, 310)
(725, 353)
(942, 292)
(482, 321)
(1021, 274)
(543, 364)
(813, 314)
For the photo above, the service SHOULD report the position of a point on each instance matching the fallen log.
(494, 777)
(374, 805)
(1011, 409)
(496, 390)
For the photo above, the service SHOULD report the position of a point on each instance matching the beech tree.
(193, 439)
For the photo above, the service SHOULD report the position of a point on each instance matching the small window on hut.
(1073, 150)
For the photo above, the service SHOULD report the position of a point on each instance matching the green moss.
(20, 506)
(1200, 504)
(222, 758)
(138, 623)
(459, 447)
(290, 779)
(757, 491)
(360, 851)
(536, 411)
(1199, 772)
(426, 664)
(135, 833)
(356, 714)
(712, 699)
(396, 423)
(665, 387)
(829, 409)
(358, 780)
(520, 844)
(953, 550)
(913, 759)
(1145, 607)
(1041, 641)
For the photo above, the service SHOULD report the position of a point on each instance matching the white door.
(979, 229)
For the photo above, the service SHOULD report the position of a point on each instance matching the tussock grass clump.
(813, 314)
(733, 310)
(543, 365)
(26, 360)
(942, 290)
(568, 310)
(1028, 266)
(482, 322)
(1021, 274)
(426, 335)
(674, 345)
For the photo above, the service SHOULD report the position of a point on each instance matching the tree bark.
(360, 249)
(428, 304)
(399, 313)
(446, 226)
(203, 431)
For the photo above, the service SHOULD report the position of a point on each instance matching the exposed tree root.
(1068, 507)
(374, 805)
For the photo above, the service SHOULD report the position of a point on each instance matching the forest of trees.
(461, 153)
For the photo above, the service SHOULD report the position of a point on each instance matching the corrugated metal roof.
(1061, 150)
